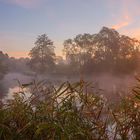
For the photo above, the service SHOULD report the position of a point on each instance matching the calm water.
(108, 83)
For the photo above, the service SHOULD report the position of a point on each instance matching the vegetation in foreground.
(70, 112)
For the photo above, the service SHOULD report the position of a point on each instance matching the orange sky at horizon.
(134, 33)
(18, 54)
(23, 54)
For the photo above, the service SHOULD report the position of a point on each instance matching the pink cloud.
(120, 25)
(126, 18)
(125, 21)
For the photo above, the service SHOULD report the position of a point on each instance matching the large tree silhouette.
(106, 51)
(42, 55)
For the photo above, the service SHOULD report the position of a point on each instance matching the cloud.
(24, 3)
(125, 21)
(126, 17)
(128, 21)
(120, 25)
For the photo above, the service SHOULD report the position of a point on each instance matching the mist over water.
(109, 85)
(10, 81)
(107, 59)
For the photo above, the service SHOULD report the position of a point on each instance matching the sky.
(21, 21)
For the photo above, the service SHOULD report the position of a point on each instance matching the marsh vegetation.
(71, 111)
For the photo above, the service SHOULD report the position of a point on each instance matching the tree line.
(106, 51)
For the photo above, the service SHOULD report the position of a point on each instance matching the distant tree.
(19, 65)
(4, 58)
(42, 55)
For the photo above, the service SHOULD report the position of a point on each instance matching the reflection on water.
(112, 87)
(11, 92)
(16, 90)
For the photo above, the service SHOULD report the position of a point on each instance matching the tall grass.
(68, 112)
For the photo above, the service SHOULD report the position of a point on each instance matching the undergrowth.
(68, 112)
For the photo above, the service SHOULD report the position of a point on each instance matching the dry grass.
(68, 112)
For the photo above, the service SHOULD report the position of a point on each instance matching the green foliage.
(68, 112)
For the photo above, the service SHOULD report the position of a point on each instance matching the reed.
(71, 111)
